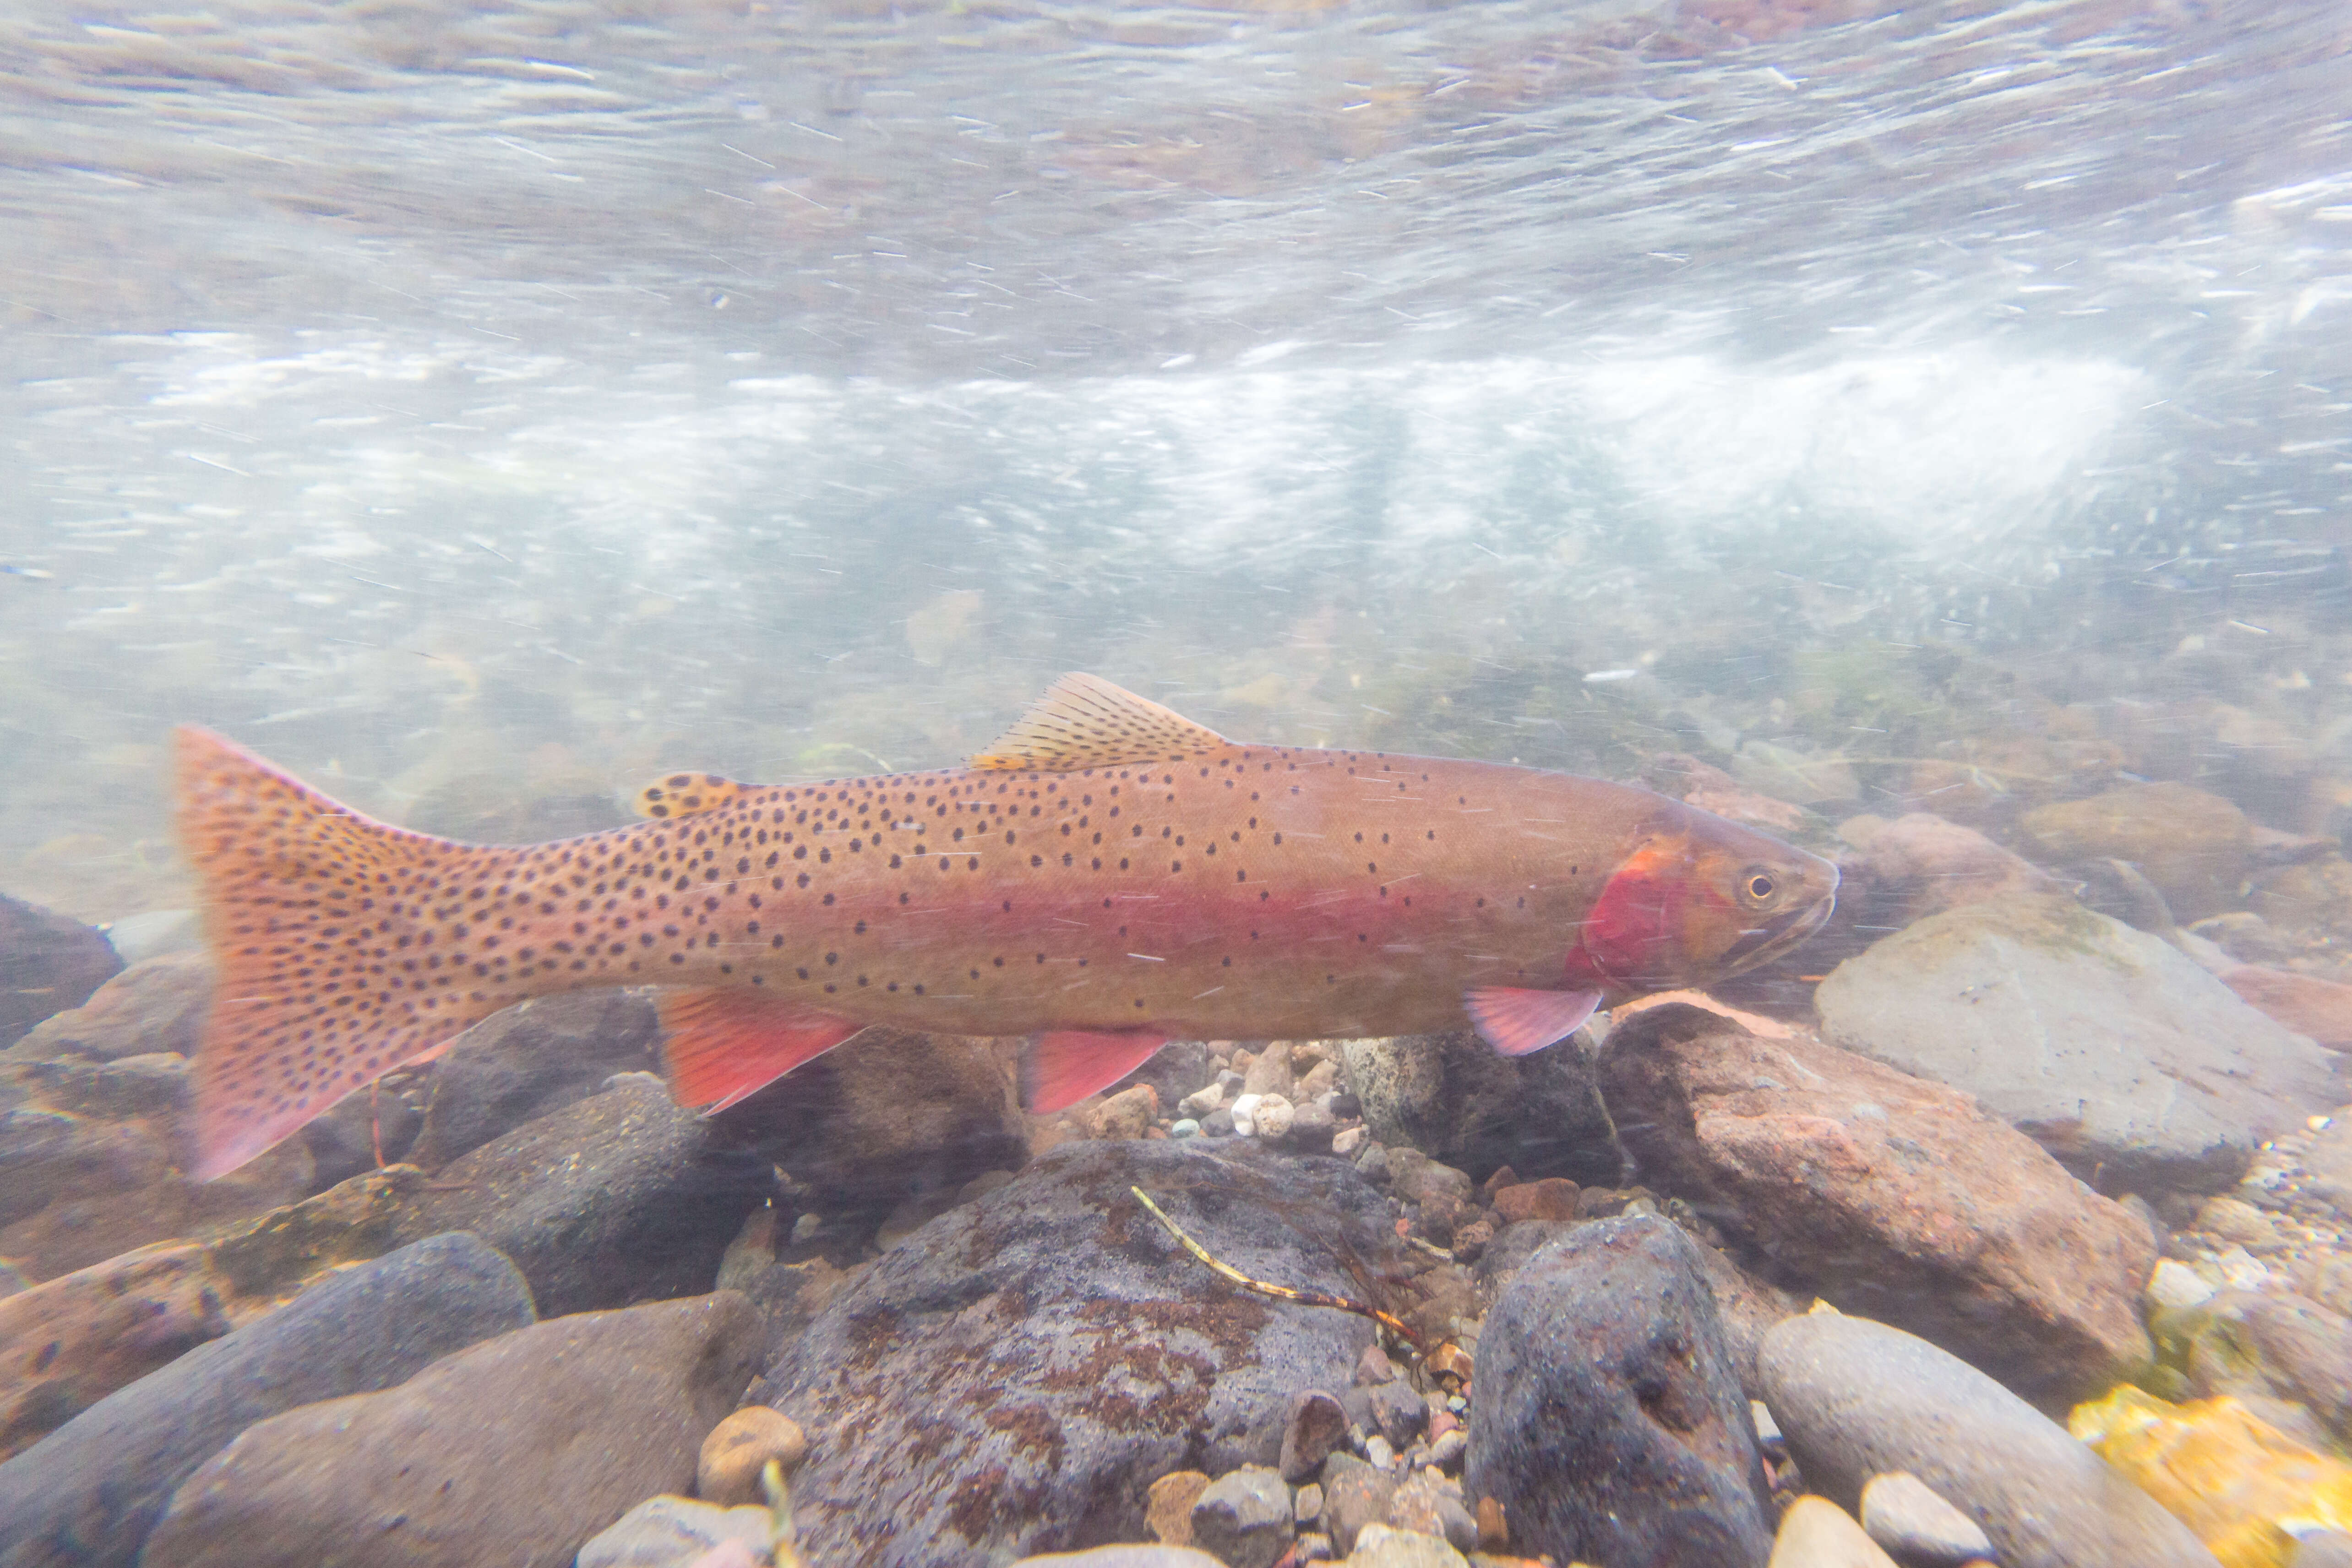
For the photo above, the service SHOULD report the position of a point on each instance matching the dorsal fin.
(683, 794)
(1085, 721)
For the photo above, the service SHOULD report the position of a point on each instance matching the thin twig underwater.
(1389, 1321)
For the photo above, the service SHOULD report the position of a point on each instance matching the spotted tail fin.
(337, 940)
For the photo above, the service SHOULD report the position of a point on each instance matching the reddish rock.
(1554, 1197)
(2320, 1009)
(1889, 1196)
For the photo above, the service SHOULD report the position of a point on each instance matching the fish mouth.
(1763, 945)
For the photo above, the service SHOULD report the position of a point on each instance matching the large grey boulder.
(2111, 1048)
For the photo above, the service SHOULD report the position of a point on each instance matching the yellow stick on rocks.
(1388, 1320)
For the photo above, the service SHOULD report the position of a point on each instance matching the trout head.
(1697, 900)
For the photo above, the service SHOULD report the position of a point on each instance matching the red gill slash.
(1109, 875)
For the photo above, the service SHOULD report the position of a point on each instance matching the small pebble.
(1348, 1140)
(1817, 1533)
(1201, 1101)
(1307, 1506)
(1184, 1127)
(1767, 1430)
(1167, 1506)
(739, 1448)
(1315, 1426)
(1378, 1546)
(2174, 1284)
(1272, 1117)
(1458, 1404)
(1446, 1452)
(1902, 1513)
(807, 1225)
(1377, 1453)
(1374, 1367)
(1244, 1113)
(1244, 1518)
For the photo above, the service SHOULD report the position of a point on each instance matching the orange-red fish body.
(1172, 884)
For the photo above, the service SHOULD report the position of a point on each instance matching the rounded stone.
(1856, 1398)
(1245, 1518)
(739, 1448)
(1905, 1515)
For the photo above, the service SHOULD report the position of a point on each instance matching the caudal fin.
(342, 945)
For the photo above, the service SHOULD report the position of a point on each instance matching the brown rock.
(1354, 1494)
(1889, 1196)
(1130, 1114)
(129, 1195)
(1554, 1197)
(1168, 1507)
(158, 1005)
(1918, 864)
(1316, 1426)
(1748, 1307)
(67, 1344)
(737, 1450)
(515, 1451)
(2192, 845)
(1494, 1533)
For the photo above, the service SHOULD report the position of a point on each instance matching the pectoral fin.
(1062, 1067)
(1517, 1022)
(720, 1046)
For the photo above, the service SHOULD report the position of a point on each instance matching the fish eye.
(1759, 885)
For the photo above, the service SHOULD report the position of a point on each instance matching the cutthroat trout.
(1108, 877)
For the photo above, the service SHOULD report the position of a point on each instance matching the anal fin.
(1062, 1067)
(720, 1046)
(1518, 1022)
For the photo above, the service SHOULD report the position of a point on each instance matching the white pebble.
(1245, 1112)
(2174, 1284)
(1378, 1454)
(1348, 1141)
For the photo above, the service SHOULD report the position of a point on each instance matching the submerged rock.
(1451, 1097)
(2192, 845)
(1856, 1399)
(1610, 1423)
(2119, 1054)
(728, 1467)
(1888, 1195)
(48, 964)
(70, 1341)
(1017, 1373)
(529, 1060)
(515, 1451)
(623, 1196)
(1244, 1518)
(674, 1533)
(88, 1494)
(158, 1005)
(889, 1115)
